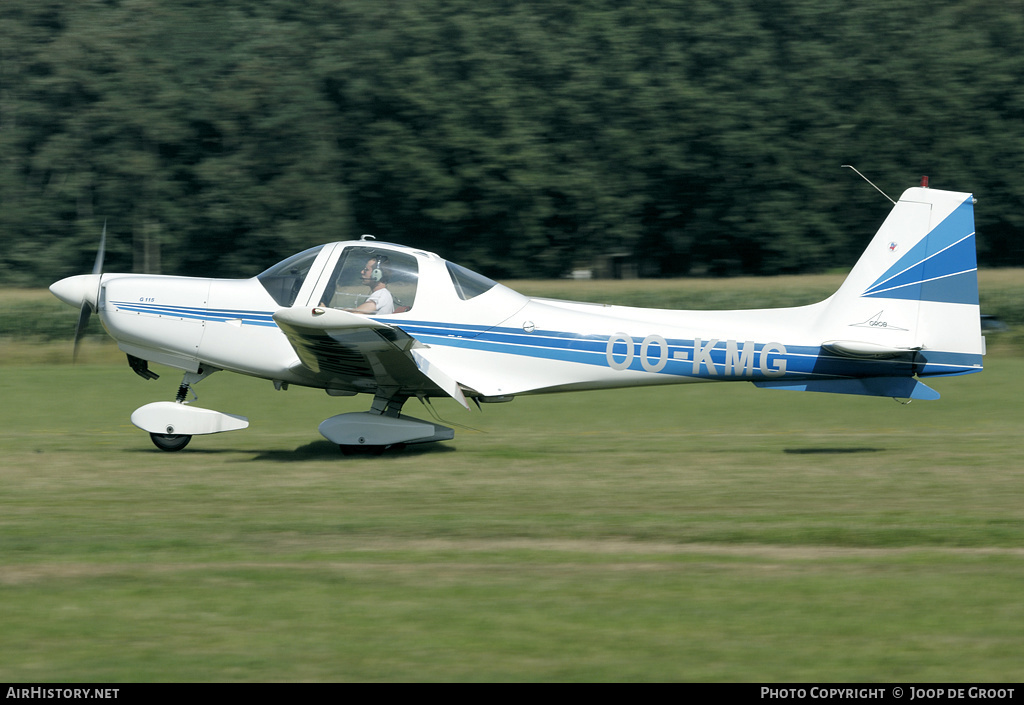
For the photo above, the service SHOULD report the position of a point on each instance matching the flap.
(357, 351)
(437, 375)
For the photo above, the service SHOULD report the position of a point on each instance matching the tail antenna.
(848, 166)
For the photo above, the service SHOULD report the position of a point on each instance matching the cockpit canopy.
(347, 285)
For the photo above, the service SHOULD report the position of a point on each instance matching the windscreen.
(468, 283)
(284, 279)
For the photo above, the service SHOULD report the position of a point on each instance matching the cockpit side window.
(361, 269)
(284, 279)
(468, 284)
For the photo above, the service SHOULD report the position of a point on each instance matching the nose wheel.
(170, 442)
(165, 420)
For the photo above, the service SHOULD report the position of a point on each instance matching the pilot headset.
(376, 275)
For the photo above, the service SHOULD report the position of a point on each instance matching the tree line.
(522, 139)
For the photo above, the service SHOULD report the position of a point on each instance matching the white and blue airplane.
(397, 322)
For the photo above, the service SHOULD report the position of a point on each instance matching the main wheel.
(169, 441)
(362, 450)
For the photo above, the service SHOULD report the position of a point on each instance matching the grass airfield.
(699, 533)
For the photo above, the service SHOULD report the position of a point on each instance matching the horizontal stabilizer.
(860, 349)
(896, 387)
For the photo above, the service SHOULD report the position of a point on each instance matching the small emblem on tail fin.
(877, 322)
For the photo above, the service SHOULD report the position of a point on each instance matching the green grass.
(709, 532)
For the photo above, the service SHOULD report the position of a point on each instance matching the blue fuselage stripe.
(681, 357)
(247, 317)
(686, 357)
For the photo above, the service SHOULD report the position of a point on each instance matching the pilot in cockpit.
(376, 276)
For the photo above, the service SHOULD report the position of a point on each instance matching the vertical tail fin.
(914, 288)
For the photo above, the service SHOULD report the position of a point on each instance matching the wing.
(351, 351)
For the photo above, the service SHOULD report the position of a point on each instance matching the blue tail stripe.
(959, 288)
(937, 268)
(947, 261)
(941, 278)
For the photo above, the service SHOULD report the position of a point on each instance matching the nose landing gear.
(171, 424)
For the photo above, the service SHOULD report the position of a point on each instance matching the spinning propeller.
(83, 290)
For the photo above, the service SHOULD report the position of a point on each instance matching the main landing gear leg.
(373, 431)
(386, 403)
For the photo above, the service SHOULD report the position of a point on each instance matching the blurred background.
(521, 139)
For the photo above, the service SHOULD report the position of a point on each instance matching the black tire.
(362, 450)
(170, 442)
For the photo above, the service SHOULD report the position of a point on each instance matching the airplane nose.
(77, 290)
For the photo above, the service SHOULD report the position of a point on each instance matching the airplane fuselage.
(544, 346)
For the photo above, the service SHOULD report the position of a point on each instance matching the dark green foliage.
(521, 139)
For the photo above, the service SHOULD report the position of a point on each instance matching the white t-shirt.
(383, 300)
